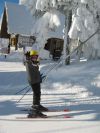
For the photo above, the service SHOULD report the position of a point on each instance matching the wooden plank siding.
(54, 44)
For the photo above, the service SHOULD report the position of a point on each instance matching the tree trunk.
(68, 25)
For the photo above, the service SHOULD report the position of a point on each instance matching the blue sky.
(2, 4)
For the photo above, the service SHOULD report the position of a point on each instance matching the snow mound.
(15, 56)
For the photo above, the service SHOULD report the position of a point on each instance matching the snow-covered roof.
(19, 19)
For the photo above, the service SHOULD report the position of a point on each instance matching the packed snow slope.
(75, 87)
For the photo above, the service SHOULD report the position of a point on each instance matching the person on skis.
(35, 80)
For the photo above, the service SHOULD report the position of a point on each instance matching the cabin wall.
(54, 44)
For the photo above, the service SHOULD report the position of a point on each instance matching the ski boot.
(40, 108)
(35, 113)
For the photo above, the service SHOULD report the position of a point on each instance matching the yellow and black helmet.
(33, 52)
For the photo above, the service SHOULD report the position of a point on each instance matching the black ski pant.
(36, 88)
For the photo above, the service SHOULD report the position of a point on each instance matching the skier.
(34, 79)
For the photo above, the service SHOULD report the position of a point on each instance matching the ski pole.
(21, 90)
(27, 87)
(54, 67)
(23, 95)
(66, 57)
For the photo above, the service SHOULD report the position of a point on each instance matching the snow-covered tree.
(50, 6)
(48, 22)
(82, 10)
(85, 23)
(45, 24)
(64, 6)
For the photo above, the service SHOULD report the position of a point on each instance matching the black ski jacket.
(33, 73)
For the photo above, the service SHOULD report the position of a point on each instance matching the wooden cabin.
(55, 46)
(16, 21)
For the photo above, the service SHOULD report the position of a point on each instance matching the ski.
(62, 116)
(50, 110)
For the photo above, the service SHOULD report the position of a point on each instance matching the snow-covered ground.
(75, 87)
